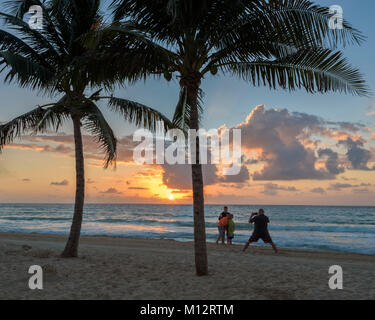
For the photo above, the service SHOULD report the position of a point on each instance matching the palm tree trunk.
(71, 248)
(200, 248)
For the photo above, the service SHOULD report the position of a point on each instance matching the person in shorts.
(261, 222)
(222, 227)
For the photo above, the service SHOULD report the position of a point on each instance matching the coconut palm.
(277, 43)
(55, 61)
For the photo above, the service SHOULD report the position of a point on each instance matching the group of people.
(226, 227)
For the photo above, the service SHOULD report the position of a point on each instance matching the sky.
(297, 148)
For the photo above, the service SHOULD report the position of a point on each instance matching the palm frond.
(27, 72)
(54, 116)
(318, 70)
(139, 114)
(16, 127)
(128, 51)
(96, 124)
(18, 8)
(36, 38)
(181, 118)
(9, 42)
(307, 20)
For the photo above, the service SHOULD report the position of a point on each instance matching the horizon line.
(186, 204)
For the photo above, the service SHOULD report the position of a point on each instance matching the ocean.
(327, 228)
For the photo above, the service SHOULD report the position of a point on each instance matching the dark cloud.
(318, 190)
(60, 184)
(271, 189)
(332, 163)
(241, 177)
(357, 155)
(59, 149)
(348, 126)
(137, 188)
(179, 176)
(362, 190)
(26, 180)
(111, 191)
(348, 179)
(340, 186)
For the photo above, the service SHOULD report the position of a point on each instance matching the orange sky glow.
(41, 169)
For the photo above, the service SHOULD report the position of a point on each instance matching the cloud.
(241, 177)
(349, 179)
(60, 184)
(26, 180)
(179, 176)
(318, 190)
(34, 147)
(278, 133)
(137, 188)
(340, 186)
(349, 126)
(62, 138)
(271, 189)
(111, 191)
(356, 154)
(332, 163)
(283, 146)
(124, 149)
(363, 190)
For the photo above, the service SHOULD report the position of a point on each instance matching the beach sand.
(124, 268)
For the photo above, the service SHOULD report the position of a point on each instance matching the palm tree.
(55, 61)
(276, 43)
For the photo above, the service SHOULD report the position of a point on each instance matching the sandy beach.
(124, 268)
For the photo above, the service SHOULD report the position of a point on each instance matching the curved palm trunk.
(71, 248)
(200, 248)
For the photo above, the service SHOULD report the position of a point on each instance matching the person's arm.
(252, 218)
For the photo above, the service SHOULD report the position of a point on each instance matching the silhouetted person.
(261, 222)
(222, 225)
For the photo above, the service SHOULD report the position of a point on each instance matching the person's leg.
(219, 236)
(274, 247)
(247, 245)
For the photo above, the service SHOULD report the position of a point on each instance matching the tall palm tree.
(55, 61)
(277, 43)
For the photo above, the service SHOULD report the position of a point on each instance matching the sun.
(171, 197)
